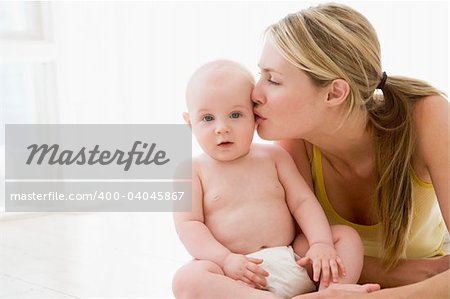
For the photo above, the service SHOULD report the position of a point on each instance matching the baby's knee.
(187, 281)
(180, 283)
(346, 234)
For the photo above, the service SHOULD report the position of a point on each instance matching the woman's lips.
(259, 119)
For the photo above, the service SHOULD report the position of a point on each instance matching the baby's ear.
(186, 118)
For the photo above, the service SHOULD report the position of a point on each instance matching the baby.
(245, 197)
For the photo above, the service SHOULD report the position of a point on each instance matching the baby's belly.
(249, 228)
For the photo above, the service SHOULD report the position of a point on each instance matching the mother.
(375, 148)
(377, 162)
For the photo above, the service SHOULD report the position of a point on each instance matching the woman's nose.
(257, 95)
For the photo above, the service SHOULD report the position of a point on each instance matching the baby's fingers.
(304, 261)
(317, 268)
(326, 272)
(334, 270)
(341, 266)
(257, 270)
(255, 260)
(259, 281)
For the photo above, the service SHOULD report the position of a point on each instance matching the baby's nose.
(222, 128)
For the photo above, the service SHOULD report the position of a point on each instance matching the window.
(20, 19)
(27, 81)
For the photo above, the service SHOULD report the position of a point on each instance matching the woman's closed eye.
(272, 81)
(269, 78)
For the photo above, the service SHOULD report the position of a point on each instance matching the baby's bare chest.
(250, 183)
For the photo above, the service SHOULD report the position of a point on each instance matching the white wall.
(128, 62)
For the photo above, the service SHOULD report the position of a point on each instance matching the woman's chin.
(266, 134)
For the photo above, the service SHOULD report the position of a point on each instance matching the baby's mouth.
(225, 143)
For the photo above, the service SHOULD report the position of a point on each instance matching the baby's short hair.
(221, 66)
(215, 71)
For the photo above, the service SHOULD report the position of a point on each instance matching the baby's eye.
(235, 115)
(208, 118)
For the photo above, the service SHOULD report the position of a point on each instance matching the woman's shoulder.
(430, 107)
(432, 130)
(430, 116)
(268, 150)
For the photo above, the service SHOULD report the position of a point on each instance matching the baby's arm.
(311, 218)
(201, 244)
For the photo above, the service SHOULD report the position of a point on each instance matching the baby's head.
(220, 109)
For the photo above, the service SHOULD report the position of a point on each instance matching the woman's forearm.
(436, 287)
(406, 272)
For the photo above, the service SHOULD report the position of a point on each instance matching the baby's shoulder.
(199, 161)
(272, 152)
(269, 150)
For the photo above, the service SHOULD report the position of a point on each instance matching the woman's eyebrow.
(268, 69)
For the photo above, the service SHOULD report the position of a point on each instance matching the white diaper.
(446, 245)
(287, 278)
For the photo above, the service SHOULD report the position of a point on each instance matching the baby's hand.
(246, 269)
(324, 259)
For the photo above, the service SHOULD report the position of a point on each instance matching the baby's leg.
(348, 246)
(205, 279)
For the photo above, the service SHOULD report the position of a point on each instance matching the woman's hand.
(246, 269)
(324, 259)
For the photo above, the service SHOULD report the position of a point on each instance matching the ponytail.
(392, 125)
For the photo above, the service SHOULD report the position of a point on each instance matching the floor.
(88, 255)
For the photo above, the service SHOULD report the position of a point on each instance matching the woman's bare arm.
(436, 287)
(406, 272)
(432, 148)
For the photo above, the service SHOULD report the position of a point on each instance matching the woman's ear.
(338, 91)
(186, 118)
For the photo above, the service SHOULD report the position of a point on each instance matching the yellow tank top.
(427, 230)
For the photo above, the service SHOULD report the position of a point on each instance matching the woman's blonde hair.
(334, 41)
